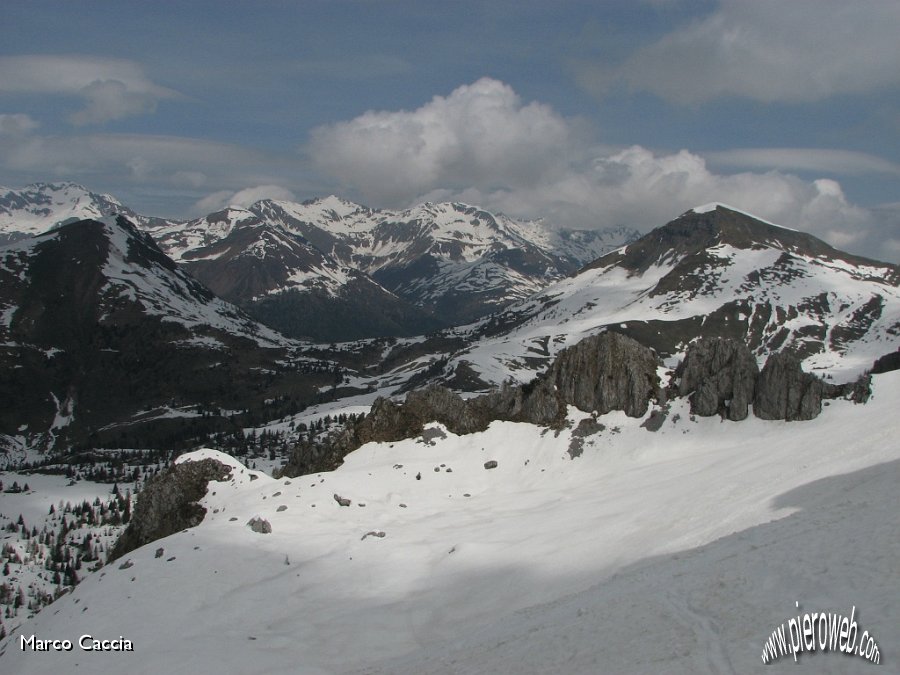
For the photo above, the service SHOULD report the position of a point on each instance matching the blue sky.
(587, 114)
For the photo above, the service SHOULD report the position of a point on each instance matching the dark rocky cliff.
(168, 503)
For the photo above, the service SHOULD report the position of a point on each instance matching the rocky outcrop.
(601, 373)
(720, 377)
(785, 392)
(887, 363)
(537, 402)
(168, 503)
(606, 372)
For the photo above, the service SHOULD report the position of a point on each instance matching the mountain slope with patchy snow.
(102, 334)
(456, 260)
(714, 272)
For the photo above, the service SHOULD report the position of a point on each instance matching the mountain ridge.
(449, 262)
(717, 273)
(100, 328)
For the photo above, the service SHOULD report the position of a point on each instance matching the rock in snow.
(168, 503)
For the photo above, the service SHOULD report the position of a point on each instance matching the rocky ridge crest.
(604, 372)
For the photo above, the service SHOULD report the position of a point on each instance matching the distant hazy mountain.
(456, 261)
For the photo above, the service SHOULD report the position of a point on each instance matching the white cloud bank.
(110, 88)
(483, 145)
(481, 134)
(243, 198)
(766, 50)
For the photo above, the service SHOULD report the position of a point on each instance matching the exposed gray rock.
(606, 372)
(168, 503)
(490, 464)
(341, 500)
(259, 525)
(537, 402)
(858, 391)
(785, 392)
(720, 376)
(655, 421)
(586, 427)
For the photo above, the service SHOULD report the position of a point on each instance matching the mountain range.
(126, 329)
(349, 271)
(630, 442)
(713, 271)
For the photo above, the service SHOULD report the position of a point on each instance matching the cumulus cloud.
(243, 198)
(111, 88)
(638, 187)
(767, 50)
(483, 146)
(480, 134)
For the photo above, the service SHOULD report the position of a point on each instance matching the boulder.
(260, 525)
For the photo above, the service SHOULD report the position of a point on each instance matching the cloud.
(483, 146)
(480, 134)
(766, 50)
(243, 198)
(146, 159)
(111, 88)
(17, 125)
(842, 162)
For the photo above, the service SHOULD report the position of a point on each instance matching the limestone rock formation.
(168, 503)
(720, 377)
(606, 372)
(785, 392)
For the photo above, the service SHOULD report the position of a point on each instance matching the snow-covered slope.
(42, 206)
(712, 271)
(673, 551)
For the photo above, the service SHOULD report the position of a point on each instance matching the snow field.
(539, 536)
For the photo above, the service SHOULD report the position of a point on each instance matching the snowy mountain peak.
(715, 206)
(39, 207)
(697, 232)
(719, 272)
